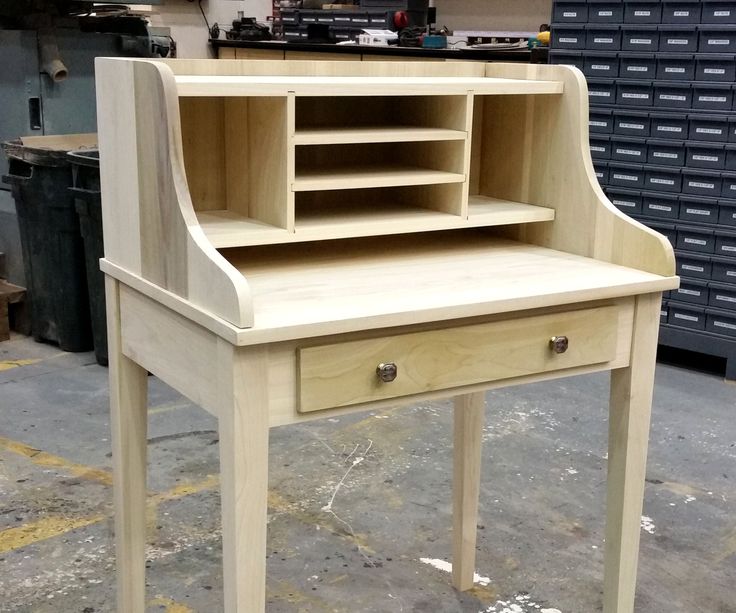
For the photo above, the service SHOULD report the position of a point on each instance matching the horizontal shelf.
(371, 176)
(398, 134)
(191, 85)
(225, 229)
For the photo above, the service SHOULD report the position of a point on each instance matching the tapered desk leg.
(469, 419)
(128, 422)
(243, 426)
(630, 410)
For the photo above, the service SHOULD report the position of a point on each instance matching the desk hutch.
(287, 241)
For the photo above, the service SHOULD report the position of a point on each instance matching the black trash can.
(86, 190)
(53, 251)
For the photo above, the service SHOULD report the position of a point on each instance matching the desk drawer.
(344, 374)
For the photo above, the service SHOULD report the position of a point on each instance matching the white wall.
(523, 15)
(187, 25)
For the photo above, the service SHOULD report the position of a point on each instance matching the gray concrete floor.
(541, 528)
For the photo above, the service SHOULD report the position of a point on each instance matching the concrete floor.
(540, 536)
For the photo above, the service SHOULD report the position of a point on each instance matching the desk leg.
(129, 423)
(630, 410)
(469, 418)
(243, 426)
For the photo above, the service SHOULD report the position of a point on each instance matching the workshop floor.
(540, 543)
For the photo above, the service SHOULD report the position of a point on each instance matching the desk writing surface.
(305, 290)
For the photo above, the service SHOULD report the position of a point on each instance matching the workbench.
(287, 241)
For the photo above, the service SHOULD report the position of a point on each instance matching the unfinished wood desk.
(289, 241)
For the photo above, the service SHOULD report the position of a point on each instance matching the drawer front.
(344, 374)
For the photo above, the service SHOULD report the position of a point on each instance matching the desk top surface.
(307, 290)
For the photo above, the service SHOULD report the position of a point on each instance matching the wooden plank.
(428, 278)
(241, 378)
(173, 348)
(630, 411)
(193, 85)
(469, 414)
(129, 424)
(345, 373)
(378, 134)
(371, 176)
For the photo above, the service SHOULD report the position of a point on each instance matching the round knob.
(387, 371)
(558, 344)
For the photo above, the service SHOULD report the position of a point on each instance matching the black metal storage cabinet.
(662, 91)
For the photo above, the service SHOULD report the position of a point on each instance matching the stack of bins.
(661, 80)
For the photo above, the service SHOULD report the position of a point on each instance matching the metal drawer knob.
(387, 371)
(558, 344)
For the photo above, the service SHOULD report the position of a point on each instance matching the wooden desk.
(287, 241)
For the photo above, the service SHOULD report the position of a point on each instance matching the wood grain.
(345, 373)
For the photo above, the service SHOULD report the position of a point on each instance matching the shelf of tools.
(661, 80)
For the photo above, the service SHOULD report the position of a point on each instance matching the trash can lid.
(47, 150)
(85, 157)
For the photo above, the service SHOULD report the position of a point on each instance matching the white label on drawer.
(660, 207)
(642, 13)
(725, 298)
(706, 158)
(712, 98)
(663, 313)
(598, 124)
(721, 13)
(637, 96)
(600, 67)
(669, 129)
(606, 41)
(681, 13)
(687, 317)
(637, 69)
(723, 324)
(719, 41)
(624, 203)
(632, 126)
(640, 41)
(689, 292)
(693, 268)
(598, 149)
(677, 41)
(570, 14)
(662, 181)
(600, 94)
(675, 69)
(708, 131)
(625, 177)
(727, 248)
(605, 13)
(714, 70)
(672, 97)
(695, 241)
(703, 212)
(342, 19)
(325, 19)
(665, 155)
(701, 185)
(731, 273)
(567, 40)
(629, 152)
(598, 175)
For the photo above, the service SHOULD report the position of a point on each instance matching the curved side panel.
(150, 225)
(535, 150)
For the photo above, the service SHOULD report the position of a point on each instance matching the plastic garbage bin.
(86, 190)
(53, 252)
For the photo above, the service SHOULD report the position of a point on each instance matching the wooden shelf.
(190, 85)
(368, 134)
(358, 177)
(225, 229)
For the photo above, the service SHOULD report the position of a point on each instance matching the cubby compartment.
(236, 158)
(323, 120)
